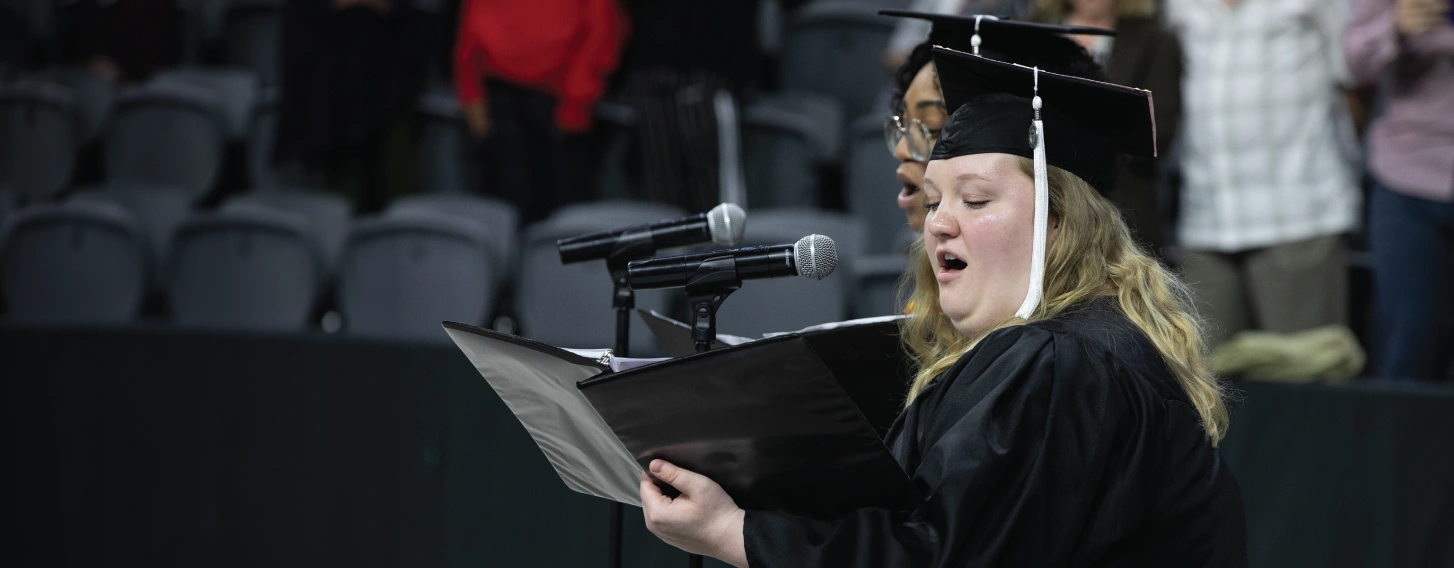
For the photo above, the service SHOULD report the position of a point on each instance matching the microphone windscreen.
(816, 256)
(728, 223)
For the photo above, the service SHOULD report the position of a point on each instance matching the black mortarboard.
(1027, 43)
(1090, 121)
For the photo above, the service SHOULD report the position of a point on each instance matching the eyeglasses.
(921, 141)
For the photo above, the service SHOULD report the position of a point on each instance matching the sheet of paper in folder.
(675, 336)
(863, 354)
(769, 420)
(538, 384)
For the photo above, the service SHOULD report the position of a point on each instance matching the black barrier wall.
(1358, 475)
(153, 447)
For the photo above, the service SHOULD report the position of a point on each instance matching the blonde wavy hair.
(1091, 256)
(1054, 11)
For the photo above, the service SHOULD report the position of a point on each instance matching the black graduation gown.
(1065, 442)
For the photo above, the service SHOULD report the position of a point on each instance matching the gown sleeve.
(1011, 470)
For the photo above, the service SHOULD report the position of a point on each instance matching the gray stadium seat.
(235, 90)
(903, 240)
(497, 218)
(825, 112)
(621, 212)
(872, 185)
(787, 304)
(159, 210)
(834, 48)
(444, 160)
(39, 138)
(252, 35)
(780, 156)
(328, 216)
(166, 133)
(770, 27)
(615, 125)
(876, 285)
(570, 305)
(786, 139)
(74, 262)
(403, 274)
(93, 96)
(246, 268)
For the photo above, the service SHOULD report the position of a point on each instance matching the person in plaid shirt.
(1269, 191)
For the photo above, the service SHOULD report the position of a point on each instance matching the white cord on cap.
(974, 40)
(1035, 102)
(1042, 210)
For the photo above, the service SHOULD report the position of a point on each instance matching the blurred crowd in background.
(376, 166)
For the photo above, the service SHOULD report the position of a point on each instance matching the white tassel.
(1042, 214)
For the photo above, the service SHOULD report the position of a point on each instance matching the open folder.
(791, 422)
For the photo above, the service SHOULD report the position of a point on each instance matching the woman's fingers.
(651, 494)
(702, 520)
(664, 515)
(689, 483)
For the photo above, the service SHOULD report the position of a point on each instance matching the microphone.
(723, 225)
(813, 256)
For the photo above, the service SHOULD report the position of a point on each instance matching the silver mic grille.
(727, 222)
(816, 256)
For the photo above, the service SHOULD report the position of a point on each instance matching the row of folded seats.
(274, 260)
(182, 130)
(177, 129)
(174, 130)
(181, 127)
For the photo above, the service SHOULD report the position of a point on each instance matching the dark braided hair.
(923, 54)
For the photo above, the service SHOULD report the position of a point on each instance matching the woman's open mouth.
(949, 266)
(907, 200)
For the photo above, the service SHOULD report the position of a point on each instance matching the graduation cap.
(992, 106)
(1027, 43)
(1008, 108)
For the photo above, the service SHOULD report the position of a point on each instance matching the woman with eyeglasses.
(918, 115)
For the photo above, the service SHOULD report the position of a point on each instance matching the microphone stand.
(623, 299)
(631, 246)
(706, 289)
(714, 280)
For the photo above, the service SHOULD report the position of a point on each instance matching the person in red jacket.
(527, 73)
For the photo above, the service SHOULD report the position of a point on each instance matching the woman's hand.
(702, 520)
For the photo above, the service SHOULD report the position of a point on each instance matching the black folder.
(781, 423)
(861, 354)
